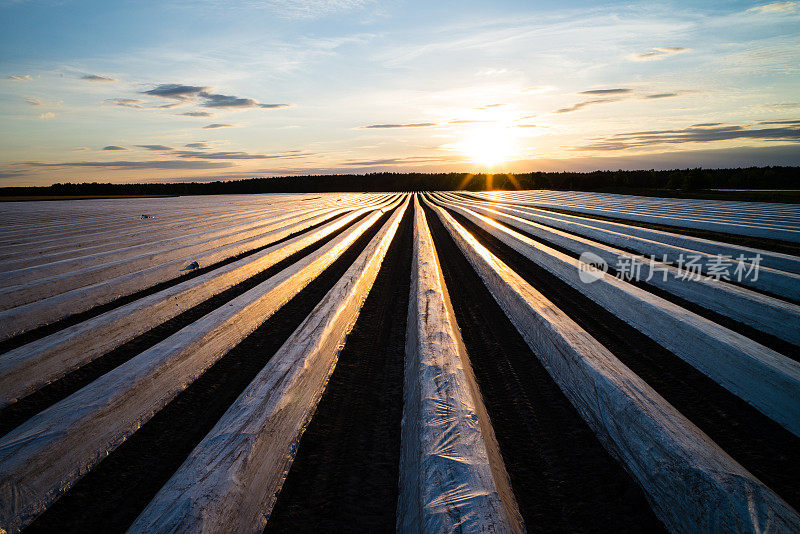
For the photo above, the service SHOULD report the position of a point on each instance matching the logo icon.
(591, 267)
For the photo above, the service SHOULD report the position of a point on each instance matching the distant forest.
(686, 180)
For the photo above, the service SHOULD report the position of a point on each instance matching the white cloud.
(291, 9)
(775, 7)
(659, 52)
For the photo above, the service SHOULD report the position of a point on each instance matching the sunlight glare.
(490, 146)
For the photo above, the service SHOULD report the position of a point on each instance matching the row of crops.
(495, 361)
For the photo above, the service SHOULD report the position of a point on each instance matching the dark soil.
(45, 330)
(110, 497)
(775, 245)
(768, 340)
(344, 477)
(731, 282)
(15, 414)
(562, 477)
(761, 445)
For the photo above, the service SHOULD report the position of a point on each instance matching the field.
(439, 362)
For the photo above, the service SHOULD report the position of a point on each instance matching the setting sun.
(489, 146)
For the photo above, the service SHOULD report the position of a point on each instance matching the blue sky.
(178, 89)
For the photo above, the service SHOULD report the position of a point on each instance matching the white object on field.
(230, 481)
(21, 318)
(27, 368)
(43, 457)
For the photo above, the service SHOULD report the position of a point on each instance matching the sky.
(177, 90)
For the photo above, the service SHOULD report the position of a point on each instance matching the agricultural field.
(433, 362)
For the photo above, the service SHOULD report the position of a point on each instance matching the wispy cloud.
(171, 105)
(20, 78)
(12, 174)
(175, 90)
(775, 7)
(97, 78)
(301, 9)
(214, 100)
(538, 89)
(694, 134)
(659, 52)
(409, 125)
(114, 147)
(197, 114)
(217, 125)
(615, 95)
(38, 102)
(200, 145)
(581, 105)
(661, 95)
(206, 97)
(150, 164)
(125, 102)
(411, 160)
(619, 91)
(155, 147)
(196, 154)
(780, 122)
(47, 115)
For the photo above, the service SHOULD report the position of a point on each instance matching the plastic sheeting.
(452, 477)
(43, 457)
(757, 219)
(26, 368)
(761, 376)
(586, 234)
(692, 484)
(65, 301)
(232, 478)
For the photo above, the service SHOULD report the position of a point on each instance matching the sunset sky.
(197, 90)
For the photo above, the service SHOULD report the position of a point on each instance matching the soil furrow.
(45, 330)
(345, 474)
(761, 445)
(775, 245)
(562, 477)
(115, 491)
(15, 414)
(775, 343)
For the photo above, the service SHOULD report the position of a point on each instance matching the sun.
(489, 146)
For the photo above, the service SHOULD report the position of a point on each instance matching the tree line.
(675, 180)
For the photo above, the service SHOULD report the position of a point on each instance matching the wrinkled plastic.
(230, 481)
(44, 456)
(777, 273)
(26, 368)
(764, 378)
(760, 311)
(452, 477)
(691, 483)
(756, 219)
